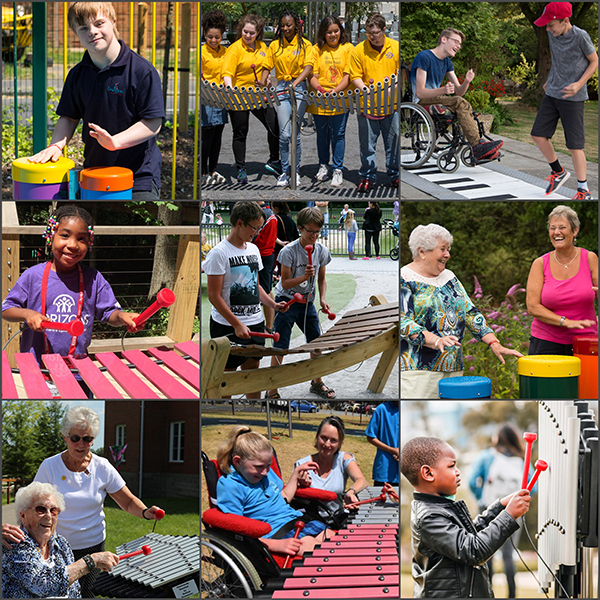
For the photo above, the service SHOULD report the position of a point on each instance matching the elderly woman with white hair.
(43, 565)
(435, 309)
(84, 479)
(561, 289)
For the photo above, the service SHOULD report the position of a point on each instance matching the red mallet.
(164, 298)
(73, 327)
(253, 67)
(371, 81)
(381, 497)
(540, 465)
(529, 438)
(299, 525)
(298, 297)
(273, 336)
(145, 550)
(309, 249)
(159, 514)
(330, 315)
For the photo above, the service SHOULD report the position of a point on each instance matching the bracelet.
(494, 342)
(144, 514)
(55, 144)
(89, 561)
(436, 343)
(562, 320)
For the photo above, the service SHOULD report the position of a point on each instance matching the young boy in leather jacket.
(450, 550)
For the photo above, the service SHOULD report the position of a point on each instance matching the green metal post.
(40, 76)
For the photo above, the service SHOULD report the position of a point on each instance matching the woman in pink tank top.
(561, 289)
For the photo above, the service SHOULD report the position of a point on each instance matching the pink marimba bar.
(147, 380)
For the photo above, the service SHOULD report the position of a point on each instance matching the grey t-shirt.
(295, 257)
(569, 62)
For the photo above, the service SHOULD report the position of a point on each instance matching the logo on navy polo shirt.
(115, 90)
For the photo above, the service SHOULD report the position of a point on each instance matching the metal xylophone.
(379, 100)
(568, 496)
(360, 561)
(171, 570)
(159, 373)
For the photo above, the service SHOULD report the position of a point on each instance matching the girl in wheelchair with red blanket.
(249, 488)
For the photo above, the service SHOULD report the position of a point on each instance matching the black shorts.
(538, 346)
(218, 330)
(571, 116)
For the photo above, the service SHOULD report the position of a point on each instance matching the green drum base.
(548, 388)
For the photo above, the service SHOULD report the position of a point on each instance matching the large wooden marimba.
(171, 570)
(360, 561)
(160, 373)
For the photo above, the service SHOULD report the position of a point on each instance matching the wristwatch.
(89, 561)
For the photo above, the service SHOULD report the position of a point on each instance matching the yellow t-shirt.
(288, 59)
(367, 63)
(329, 65)
(239, 60)
(211, 63)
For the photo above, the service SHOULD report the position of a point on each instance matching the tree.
(47, 428)
(359, 11)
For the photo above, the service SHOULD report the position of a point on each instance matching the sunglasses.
(88, 439)
(42, 510)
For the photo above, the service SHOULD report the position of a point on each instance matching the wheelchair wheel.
(417, 135)
(395, 254)
(447, 161)
(466, 157)
(226, 572)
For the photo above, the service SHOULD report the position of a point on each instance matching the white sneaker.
(218, 178)
(323, 173)
(208, 180)
(338, 178)
(283, 180)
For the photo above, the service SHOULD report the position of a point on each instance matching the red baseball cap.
(554, 10)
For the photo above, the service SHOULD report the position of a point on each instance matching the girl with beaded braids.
(62, 290)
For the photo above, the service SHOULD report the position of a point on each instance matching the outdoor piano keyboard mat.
(176, 378)
(479, 183)
(173, 561)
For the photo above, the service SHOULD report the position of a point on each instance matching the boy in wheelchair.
(426, 75)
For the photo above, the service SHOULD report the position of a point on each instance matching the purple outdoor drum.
(47, 181)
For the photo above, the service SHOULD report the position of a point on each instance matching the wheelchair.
(434, 130)
(234, 562)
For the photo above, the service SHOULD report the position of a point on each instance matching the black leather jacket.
(450, 550)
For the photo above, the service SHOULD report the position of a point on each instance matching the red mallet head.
(75, 327)
(371, 81)
(309, 249)
(164, 298)
(330, 315)
(298, 297)
(145, 550)
(159, 514)
(529, 439)
(540, 465)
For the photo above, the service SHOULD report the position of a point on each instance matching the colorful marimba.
(171, 570)
(157, 373)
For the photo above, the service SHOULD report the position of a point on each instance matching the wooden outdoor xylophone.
(360, 561)
(168, 568)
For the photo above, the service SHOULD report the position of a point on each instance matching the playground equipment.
(106, 183)
(465, 388)
(585, 348)
(47, 181)
(548, 376)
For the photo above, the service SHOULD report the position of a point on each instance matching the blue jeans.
(368, 132)
(284, 117)
(296, 313)
(331, 132)
(351, 239)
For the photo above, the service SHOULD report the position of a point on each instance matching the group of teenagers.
(332, 64)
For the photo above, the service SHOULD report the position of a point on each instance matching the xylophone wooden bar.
(33, 380)
(136, 388)
(179, 365)
(191, 349)
(92, 375)
(9, 390)
(62, 377)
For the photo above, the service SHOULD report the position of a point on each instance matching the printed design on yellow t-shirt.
(332, 74)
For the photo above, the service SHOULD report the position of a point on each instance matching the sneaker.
(365, 258)
(338, 178)
(365, 185)
(217, 177)
(274, 166)
(283, 180)
(485, 149)
(555, 180)
(323, 173)
(582, 195)
(488, 157)
(208, 180)
(242, 176)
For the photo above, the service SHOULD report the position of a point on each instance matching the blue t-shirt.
(385, 426)
(436, 70)
(262, 501)
(115, 98)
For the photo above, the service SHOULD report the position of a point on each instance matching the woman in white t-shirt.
(84, 479)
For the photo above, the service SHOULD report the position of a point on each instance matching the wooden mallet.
(299, 525)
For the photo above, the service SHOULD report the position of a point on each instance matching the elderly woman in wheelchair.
(433, 120)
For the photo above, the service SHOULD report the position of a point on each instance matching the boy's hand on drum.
(34, 322)
(52, 153)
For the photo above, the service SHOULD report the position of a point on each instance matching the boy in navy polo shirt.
(118, 95)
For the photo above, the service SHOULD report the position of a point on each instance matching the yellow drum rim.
(549, 366)
(24, 171)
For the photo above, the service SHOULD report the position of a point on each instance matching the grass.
(524, 117)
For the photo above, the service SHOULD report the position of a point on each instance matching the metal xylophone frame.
(135, 387)
(568, 496)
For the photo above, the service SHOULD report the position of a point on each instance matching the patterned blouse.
(25, 574)
(439, 305)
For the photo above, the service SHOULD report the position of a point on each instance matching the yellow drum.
(549, 377)
(41, 181)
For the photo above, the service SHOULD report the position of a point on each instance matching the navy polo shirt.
(115, 98)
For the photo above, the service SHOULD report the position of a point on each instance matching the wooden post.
(184, 96)
(141, 36)
(10, 273)
(186, 289)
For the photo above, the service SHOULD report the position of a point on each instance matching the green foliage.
(524, 72)
(501, 114)
(142, 210)
(478, 99)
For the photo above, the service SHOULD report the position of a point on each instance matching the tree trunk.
(165, 251)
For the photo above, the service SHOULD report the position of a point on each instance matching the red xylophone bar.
(164, 298)
(75, 327)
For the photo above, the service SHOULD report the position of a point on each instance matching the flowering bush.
(490, 85)
(512, 325)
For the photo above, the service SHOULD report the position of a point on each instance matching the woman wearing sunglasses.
(42, 564)
(84, 479)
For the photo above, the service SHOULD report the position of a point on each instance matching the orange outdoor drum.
(585, 348)
(109, 183)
